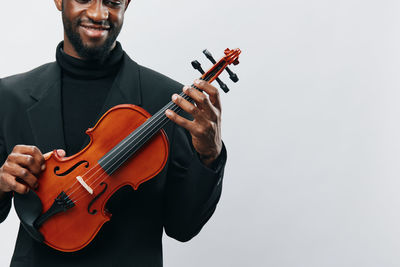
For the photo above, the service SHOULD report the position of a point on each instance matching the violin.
(127, 147)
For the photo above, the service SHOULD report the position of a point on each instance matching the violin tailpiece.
(61, 203)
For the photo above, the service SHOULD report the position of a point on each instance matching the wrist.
(208, 160)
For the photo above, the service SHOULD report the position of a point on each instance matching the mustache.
(102, 23)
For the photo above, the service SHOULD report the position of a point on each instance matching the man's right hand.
(20, 171)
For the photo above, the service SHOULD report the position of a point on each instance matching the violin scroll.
(231, 57)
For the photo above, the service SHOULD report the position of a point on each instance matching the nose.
(97, 11)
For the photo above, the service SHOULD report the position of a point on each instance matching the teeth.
(96, 29)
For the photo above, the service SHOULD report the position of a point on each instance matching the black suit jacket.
(179, 200)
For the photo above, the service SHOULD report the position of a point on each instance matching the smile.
(94, 31)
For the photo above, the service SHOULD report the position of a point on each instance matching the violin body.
(73, 229)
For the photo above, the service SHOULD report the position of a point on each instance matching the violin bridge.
(84, 184)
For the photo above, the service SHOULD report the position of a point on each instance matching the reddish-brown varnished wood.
(74, 229)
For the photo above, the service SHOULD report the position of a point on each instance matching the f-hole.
(93, 212)
(57, 168)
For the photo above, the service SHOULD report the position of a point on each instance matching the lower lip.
(94, 33)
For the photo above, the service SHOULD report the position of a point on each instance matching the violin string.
(148, 130)
(170, 105)
(138, 130)
(155, 121)
(104, 175)
(156, 124)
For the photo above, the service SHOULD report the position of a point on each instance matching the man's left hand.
(206, 125)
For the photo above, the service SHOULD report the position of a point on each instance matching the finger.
(26, 161)
(211, 91)
(190, 108)
(185, 123)
(31, 150)
(47, 155)
(60, 152)
(202, 101)
(14, 185)
(22, 173)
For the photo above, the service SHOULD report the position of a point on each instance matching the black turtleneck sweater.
(85, 86)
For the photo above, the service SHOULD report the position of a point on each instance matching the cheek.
(72, 11)
(117, 18)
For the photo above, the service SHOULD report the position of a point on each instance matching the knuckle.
(192, 109)
(12, 184)
(199, 131)
(208, 125)
(6, 167)
(30, 160)
(32, 149)
(20, 188)
(12, 157)
(24, 173)
(214, 90)
(17, 148)
(189, 90)
(203, 99)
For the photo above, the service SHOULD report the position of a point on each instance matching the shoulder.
(152, 80)
(21, 84)
(156, 89)
(156, 79)
(16, 91)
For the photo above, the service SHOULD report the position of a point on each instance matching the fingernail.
(185, 88)
(174, 97)
(168, 112)
(43, 167)
(197, 82)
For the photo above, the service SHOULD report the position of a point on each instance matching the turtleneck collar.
(89, 69)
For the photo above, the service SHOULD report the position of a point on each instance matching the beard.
(93, 53)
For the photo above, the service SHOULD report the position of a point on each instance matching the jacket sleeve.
(192, 191)
(5, 202)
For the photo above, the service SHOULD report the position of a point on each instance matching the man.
(50, 108)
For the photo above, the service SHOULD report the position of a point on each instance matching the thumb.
(60, 152)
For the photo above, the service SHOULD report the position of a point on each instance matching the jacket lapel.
(45, 115)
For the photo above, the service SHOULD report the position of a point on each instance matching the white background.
(312, 128)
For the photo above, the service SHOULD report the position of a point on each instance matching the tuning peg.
(209, 56)
(223, 86)
(196, 65)
(232, 75)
